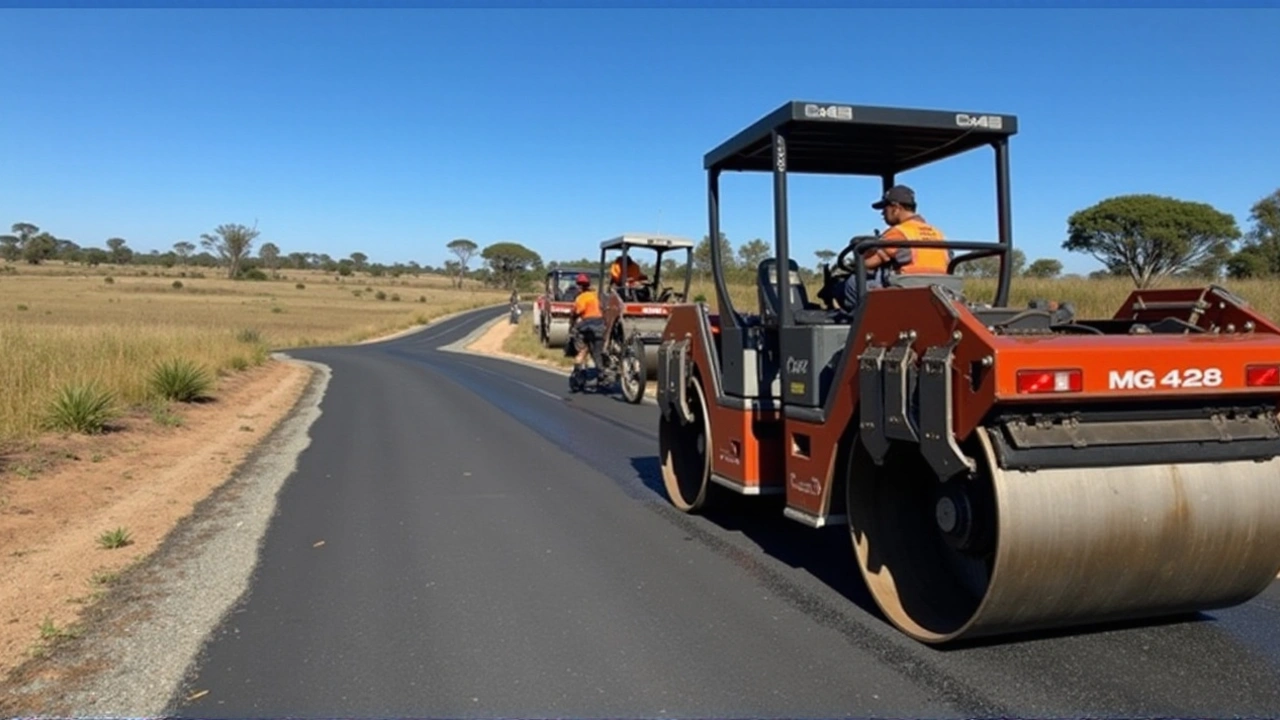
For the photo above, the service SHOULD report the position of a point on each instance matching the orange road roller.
(1000, 469)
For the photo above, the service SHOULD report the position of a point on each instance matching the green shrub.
(113, 539)
(83, 408)
(177, 284)
(180, 380)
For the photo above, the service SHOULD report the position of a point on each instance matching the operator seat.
(806, 311)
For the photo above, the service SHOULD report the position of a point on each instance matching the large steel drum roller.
(1011, 551)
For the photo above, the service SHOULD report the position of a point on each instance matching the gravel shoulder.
(134, 643)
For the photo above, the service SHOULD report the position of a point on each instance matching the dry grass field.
(105, 330)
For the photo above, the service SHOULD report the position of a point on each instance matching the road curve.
(493, 546)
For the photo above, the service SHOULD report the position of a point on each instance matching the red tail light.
(1050, 381)
(1262, 375)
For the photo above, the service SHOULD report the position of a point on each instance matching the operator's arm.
(880, 256)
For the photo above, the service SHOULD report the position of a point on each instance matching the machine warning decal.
(830, 112)
(1146, 379)
(990, 122)
(811, 486)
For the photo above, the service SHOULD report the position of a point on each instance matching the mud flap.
(937, 434)
(897, 402)
(673, 380)
(871, 403)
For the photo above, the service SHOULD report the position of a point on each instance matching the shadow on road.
(649, 473)
(825, 554)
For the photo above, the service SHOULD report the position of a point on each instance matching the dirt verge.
(61, 497)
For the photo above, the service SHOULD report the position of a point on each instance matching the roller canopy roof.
(834, 138)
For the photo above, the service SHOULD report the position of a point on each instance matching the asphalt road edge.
(151, 630)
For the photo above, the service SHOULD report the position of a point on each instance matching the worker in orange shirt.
(898, 208)
(634, 276)
(587, 320)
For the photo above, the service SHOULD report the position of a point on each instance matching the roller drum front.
(557, 334)
(1014, 551)
(651, 360)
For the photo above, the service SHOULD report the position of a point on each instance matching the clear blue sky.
(392, 132)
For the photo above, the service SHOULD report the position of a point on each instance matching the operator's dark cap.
(897, 194)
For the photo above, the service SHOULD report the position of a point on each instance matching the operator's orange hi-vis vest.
(633, 271)
(587, 305)
(932, 261)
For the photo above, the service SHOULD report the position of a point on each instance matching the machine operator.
(898, 208)
(634, 276)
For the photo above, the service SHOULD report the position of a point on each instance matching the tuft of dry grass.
(63, 326)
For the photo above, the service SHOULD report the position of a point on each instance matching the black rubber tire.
(633, 376)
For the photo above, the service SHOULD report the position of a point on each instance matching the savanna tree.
(509, 261)
(232, 242)
(269, 254)
(1260, 255)
(1149, 237)
(183, 250)
(463, 249)
(1044, 268)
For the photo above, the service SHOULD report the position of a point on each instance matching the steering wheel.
(845, 264)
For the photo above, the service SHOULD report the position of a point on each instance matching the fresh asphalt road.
(494, 546)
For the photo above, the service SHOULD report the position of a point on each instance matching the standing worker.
(588, 321)
(515, 306)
